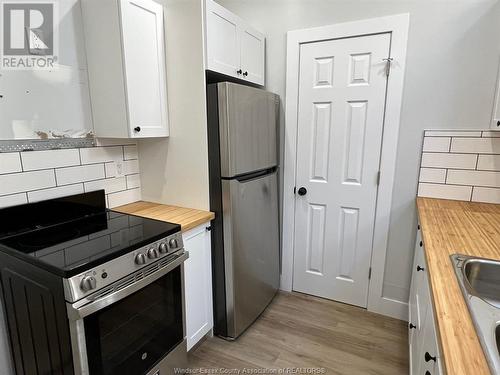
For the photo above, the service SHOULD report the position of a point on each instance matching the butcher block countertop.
(188, 218)
(450, 227)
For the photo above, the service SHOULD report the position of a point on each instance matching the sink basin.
(483, 278)
(479, 281)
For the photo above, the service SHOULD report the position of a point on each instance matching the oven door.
(134, 326)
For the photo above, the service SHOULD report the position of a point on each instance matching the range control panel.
(107, 273)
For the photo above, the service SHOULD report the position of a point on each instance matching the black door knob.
(429, 357)
(137, 129)
(412, 326)
(239, 71)
(245, 74)
(302, 191)
(420, 268)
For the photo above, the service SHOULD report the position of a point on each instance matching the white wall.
(453, 55)
(175, 170)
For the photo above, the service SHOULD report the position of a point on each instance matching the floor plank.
(299, 331)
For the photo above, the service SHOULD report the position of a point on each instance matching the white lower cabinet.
(198, 284)
(425, 357)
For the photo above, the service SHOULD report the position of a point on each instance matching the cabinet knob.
(498, 123)
(427, 373)
(418, 227)
(429, 357)
(421, 244)
(137, 129)
(412, 326)
(208, 229)
(239, 71)
(245, 74)
(420, 268)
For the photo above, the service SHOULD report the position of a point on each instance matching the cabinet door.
(253, 46)
(222, 40)
(144, 65)
(198, 284)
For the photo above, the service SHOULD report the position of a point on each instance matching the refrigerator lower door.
(251, 248)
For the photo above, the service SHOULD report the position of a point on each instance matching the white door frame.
(397, 25)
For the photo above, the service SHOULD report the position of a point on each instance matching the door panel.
(223, 40)
(251, 248)
(248, 129)
(252, 55)
(143, 48)
(342, 88)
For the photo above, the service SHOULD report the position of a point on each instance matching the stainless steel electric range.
(87, 290)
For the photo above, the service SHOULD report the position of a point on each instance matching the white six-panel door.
(342, 87)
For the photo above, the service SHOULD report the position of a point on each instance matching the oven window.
(130, 336)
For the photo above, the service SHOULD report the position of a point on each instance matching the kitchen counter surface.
(450, 227)
(188, 218)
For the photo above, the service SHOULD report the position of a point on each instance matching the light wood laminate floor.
(298, 330)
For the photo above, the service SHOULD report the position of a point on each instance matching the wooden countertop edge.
(463, 353)
(188, 218)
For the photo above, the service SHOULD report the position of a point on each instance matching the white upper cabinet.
(233, 47)
(125, 46)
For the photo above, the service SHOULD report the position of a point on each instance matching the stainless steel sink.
(479, 280)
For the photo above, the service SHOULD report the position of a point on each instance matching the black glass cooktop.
(70, 235)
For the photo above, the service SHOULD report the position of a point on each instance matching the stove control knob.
(163, 248)
(140, 259)
(153, 253)
(173, 243)
(88, 283)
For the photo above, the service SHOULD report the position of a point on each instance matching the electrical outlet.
(119, 168)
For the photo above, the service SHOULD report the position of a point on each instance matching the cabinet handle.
(421, 244)
(498, 123)
(427, 373)
(239, 71)
(412, 326)
(429, 357)
(245, 74)
(137, 129)
(418, 226)
(420, 268)
(208, 229)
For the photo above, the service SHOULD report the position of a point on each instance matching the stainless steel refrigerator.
(243, 164)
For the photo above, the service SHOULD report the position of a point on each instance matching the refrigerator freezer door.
(251, 248)
(247, 129)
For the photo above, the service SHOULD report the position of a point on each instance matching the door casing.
(398, 26)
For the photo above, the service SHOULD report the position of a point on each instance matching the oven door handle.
(86, 307)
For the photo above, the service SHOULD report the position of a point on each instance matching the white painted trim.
(397, 25)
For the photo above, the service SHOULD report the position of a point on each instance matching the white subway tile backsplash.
(437, 144)
(33, 160)
(130, 152)
(22, 182)
(131, 167)
(60, 191)
(124, 197)
(476, 145)
(13, 200)
(110, 185)
(101, 154)
(82, 173)
(37, 175)
(442, 160)
(133, 181)
(473, 178)
(488, 163)
(461, 193)
(435, 175)
(488, 195)
(469, 171)
(10, 162)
